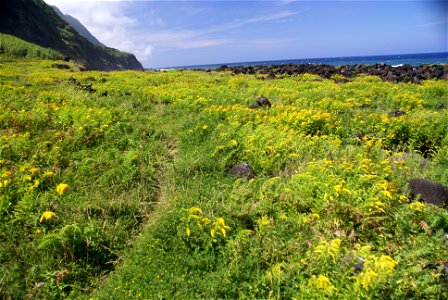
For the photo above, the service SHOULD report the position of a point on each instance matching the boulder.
(264, 102)
(429, 191)
(404, 73)
(397, 113)
(243, 170)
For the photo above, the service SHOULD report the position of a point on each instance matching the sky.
(184, 33)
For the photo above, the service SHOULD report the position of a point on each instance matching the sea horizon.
(415, 59)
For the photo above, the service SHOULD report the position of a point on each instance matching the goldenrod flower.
(366, 279)
(5, 183)
(233, 143)
(48, 174)
(7, 174)
(322, 282)
(34, 171)
(35, 185)
(62, 188)
(328, 249)
(219, 226)
(46, 216)
(195, 211)
(263, 222)
(417, 206)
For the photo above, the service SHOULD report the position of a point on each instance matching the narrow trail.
(165, 187)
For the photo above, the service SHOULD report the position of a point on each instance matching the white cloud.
(107, 21)
(188, 39)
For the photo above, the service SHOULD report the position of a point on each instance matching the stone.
(397, 113)
(429, 191)
(72, 80)
(359, 266)
(264, 102)
(243, 170)
(60, 66)
(270, 76)
(404, 73)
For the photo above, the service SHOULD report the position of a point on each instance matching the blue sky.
(181, 33)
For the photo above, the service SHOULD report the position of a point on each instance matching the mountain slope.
(12, 47)
(81, 29)
(36, 22)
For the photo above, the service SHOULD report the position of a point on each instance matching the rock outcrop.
(402, 73)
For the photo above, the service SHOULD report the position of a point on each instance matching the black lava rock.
(60, 66)
(430, 192)
(397, 74)
(243, 170)
(397, 113)
(359, 266)
(263, 102)
(72, 80)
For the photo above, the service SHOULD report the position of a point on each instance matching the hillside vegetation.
(117, 186)
(13, 48)
(36, 22)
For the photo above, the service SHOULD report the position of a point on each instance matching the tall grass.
(12, 47)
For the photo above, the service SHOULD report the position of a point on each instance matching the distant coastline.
(392, 60)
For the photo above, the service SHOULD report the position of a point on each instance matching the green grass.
(152, 211)
(13, 48)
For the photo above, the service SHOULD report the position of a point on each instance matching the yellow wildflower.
(34, 171)
(328, 249)
(188, 231)
(195, 211)
(263, 222)
(219, 226)
(315, 216)
(5, 183)
(27, 178)
(48, 174)
(376, 270)
(35, 185)
(46, 216)
(417, 206)
(403, 198)
(322, 282)
(7, 174)
(62, 188)
(385, 264)
(366, 278)
(379, 206)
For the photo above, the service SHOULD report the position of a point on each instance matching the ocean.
(394, 60)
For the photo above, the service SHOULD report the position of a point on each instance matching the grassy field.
(116, 186)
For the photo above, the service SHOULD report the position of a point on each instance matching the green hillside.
(117, 185)
(13, 48)
(37, 23)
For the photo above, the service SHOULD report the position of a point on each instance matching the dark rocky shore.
(402, 73)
